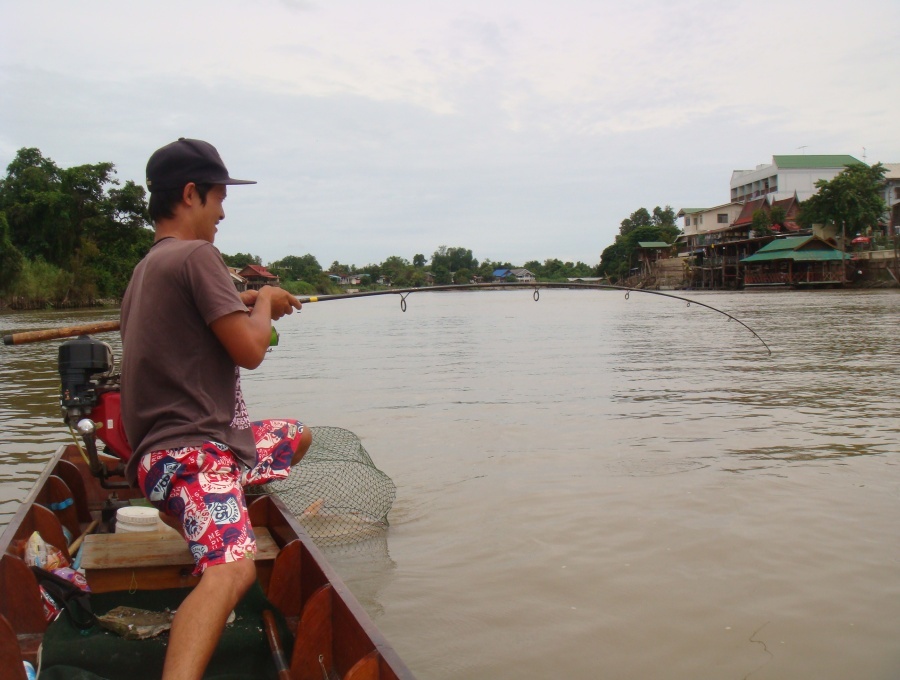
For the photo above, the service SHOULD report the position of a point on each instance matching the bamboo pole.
(56, 333)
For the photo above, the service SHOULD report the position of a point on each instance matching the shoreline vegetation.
(70, 238)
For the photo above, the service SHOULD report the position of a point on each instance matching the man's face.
(210, 214)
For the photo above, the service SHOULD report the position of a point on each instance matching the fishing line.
(406, 292)
(55, 333)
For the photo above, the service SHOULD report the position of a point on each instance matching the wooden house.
(795, 261)
(258, 276)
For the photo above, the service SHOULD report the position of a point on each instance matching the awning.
(797, 256)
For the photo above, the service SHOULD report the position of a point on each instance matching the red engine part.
(108, 414)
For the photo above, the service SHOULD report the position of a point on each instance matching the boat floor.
(243, 651)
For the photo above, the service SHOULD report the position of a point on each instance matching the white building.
(787, 175)
(892, 195)
(700, 220)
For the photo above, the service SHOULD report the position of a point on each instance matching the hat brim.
(237, 181)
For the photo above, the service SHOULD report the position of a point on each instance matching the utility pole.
(843, 252)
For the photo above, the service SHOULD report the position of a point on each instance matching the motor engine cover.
(79, 361)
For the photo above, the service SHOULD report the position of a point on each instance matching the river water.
(589, 486)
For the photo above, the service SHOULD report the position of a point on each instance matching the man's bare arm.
(246, 335)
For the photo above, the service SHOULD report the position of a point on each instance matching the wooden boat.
(334, 637)
(324, 631)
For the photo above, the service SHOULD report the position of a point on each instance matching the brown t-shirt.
(179, 385)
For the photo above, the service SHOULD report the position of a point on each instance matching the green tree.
(453, 259)
(398, 271)
(341, 269)
(639, 218)
(462, 276)
(11, 260)
(418, 260)
(299, 268)
(852, 200)
(664, 217)
(241, 260)
(76, 219)
(441, 274)
(487, 268)
(31, 195)
(777, 215)
(617, 260)
(373, 271)
(762, 222)
(614, 261)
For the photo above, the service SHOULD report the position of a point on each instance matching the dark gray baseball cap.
(187, 160)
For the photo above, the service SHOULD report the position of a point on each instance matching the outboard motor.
(88, 391)
(79, 361)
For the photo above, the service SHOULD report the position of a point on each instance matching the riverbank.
(864, 270)
(21, 304)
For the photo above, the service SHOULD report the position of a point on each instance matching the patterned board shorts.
(202, 487)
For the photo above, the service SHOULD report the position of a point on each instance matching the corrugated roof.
(258, 270)
(792, 248)
(821, 161)
(653, 244)
(797, 256)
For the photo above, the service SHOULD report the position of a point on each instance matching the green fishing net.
(335, 491)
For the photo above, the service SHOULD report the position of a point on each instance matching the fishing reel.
(89, 398)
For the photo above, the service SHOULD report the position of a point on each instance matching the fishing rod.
(55, 333)
(406, 292)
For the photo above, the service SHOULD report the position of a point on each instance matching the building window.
(722, 218)
(687, 221)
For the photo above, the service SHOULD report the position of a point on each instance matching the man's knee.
(233, 577)
(303, 445)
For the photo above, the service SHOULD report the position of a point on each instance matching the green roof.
(792, 248)
(833, 161)
(653, 244)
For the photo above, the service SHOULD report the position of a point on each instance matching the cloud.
(521, 130)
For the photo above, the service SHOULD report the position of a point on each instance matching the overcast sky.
(518, 129)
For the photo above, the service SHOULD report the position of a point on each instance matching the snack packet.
(39, 553)
(51, 607)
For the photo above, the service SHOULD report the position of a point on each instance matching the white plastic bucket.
(136, 518)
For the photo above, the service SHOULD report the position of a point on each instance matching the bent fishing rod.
(406, 292)
(56, 333)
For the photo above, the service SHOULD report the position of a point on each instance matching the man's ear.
(189, 193)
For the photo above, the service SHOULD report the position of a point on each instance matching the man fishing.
(186, 332)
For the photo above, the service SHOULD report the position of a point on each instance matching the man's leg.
(200, 620)
(201, 486)
(303, 446)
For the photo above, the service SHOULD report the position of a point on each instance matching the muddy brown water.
(588, 486)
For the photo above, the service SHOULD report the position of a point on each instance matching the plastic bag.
(59, 593)
(72, 576)
(39, 553)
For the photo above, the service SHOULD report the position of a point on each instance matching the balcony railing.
(757, 278)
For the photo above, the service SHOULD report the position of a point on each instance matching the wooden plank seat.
(155, 560)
